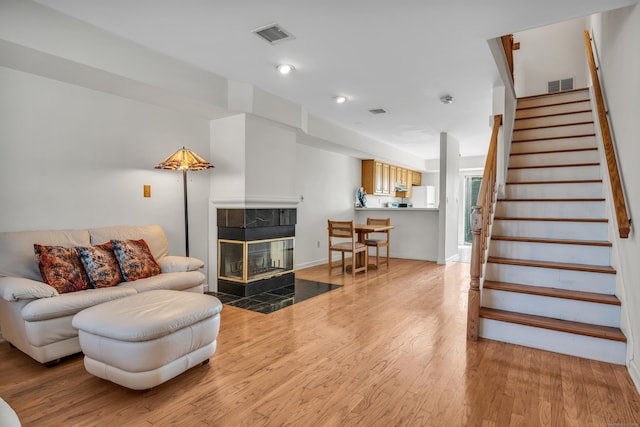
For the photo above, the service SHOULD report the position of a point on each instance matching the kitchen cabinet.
(380, 179)
(385, 179)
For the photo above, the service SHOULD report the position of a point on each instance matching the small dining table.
(363, 230)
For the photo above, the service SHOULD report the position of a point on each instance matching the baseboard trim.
(634, 372)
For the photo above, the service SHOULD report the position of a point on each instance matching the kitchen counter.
(398, 209)
(415, 233)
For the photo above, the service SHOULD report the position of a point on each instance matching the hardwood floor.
(386, 349)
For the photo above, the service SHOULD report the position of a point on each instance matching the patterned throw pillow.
(135, 259)
(101, 265)
(61, 268)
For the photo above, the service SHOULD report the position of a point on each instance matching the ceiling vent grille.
(273, 34)
(378, 111)
(560, 85)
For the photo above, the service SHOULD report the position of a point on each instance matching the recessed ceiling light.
(285, 68)
(446, 99)
(340, 99)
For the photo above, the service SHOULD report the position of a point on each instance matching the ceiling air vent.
(273, 33)
(378, 111)
(560, 85)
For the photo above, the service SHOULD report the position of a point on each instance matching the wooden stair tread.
(553, 94)
(553, 137)
(565, 165)
(564, 113)
(554, 200)
(521, 218)
(597, 331)
(552, 264)
(553, 292)
(556, 241)
(566, 150)
(566, 181)
(555, 126)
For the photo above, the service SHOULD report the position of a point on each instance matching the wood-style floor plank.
(389, 348)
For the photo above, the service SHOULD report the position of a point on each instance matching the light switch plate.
(147, 191)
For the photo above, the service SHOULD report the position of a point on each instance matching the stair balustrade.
(480, 224)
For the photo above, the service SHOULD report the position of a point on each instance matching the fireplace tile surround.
(263, 230)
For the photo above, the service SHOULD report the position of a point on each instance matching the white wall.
(617, 35)
(550, 53)
(75, 158)
(327, 182)
(449, 203)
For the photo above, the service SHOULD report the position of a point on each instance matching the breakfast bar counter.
(415, 232)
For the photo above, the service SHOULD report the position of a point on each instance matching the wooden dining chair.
(376, 242)
(342, 238)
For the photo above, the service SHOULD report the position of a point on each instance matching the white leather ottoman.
(143, 340)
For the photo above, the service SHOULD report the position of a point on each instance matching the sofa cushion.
(19, 288)
(71, 303)
(101, 265)
(16, 249)
(171, 264)
(135, 259)
(61, 268)
(152, 234)
(174, 281)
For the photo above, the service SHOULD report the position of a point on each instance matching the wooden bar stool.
(379, 243)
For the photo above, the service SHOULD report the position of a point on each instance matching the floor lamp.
(185, 160)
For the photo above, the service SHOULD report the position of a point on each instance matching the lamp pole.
(186, 212)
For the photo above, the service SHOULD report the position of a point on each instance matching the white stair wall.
(559, 342)
(553, 252)
(569, 230)
(588, 190)
(558, 308)
(586, 281)
(554, 144)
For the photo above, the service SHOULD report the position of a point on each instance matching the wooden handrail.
(622, 217)
(480, 224)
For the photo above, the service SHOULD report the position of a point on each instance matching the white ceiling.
(398, 55)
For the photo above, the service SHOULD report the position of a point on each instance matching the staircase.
(548, 280)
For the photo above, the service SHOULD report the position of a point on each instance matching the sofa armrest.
(19, 288)
(173, 264)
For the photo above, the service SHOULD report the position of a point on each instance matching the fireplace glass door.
(246, 262)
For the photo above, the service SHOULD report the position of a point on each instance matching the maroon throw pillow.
(61, 268)
(135, 259)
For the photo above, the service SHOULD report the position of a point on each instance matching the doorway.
(471, 189)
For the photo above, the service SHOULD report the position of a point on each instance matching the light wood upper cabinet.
(392, 178)
(385, 178)
(416, 178)
(380, 179)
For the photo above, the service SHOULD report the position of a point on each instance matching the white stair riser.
(553, 99)
(588, 190)
(553, 109)
(550, 209)
(555, 132)
(564, 119)
(556, 308)
(552, 229)
(554, 144)
(552, 278)
(554, 174)
(562, 158)
(575, 254)
(560, 342)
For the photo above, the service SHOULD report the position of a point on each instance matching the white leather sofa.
(36, 319)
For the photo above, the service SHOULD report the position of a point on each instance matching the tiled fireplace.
(255, 250)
